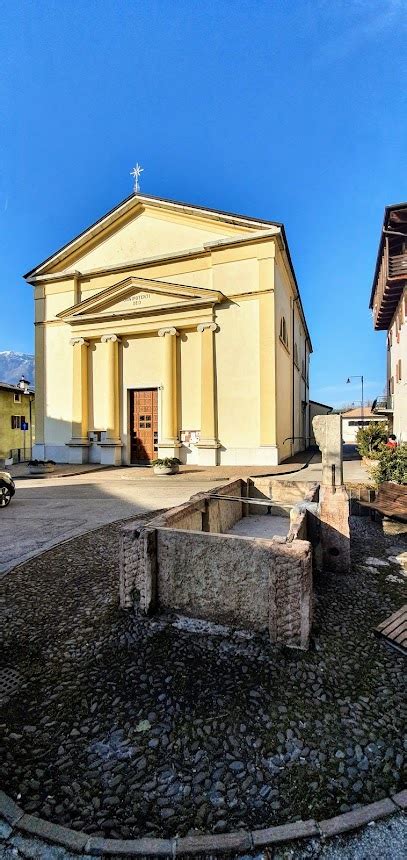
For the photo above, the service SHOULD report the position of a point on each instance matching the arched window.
(283, 331)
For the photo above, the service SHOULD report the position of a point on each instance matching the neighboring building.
(389, 304)
(17, 409)
(352, 419)
(316, 408)
(174, 330)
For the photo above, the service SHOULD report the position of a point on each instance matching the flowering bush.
(391, 465)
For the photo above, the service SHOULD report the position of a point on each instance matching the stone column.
(111, 445)
(79, 443)
(208, 443)
(169, 444)
(333, 511)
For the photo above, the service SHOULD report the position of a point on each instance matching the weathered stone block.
(334, 529)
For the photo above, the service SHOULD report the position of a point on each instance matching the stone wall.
(183, 560)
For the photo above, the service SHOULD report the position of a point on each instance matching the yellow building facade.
(17, 410)
(167, 329)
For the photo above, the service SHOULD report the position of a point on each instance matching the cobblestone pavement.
(123, 726)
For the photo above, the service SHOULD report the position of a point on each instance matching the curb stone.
(400, 799)
(214, 844)
(200, 845)
(9, 810)
(72, 839)
(285, 833)
(133, 847)
(357, 818)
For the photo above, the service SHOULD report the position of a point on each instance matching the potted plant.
(166, 465)
(41, 467)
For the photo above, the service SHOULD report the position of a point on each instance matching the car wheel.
(5, 495)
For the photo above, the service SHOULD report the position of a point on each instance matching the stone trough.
(239, 554)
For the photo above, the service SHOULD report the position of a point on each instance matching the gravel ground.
(123, 726)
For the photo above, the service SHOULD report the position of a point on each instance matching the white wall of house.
(350, 427)
(397, 369)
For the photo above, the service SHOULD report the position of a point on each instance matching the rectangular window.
(399, 370)
(17, 398)
(15, 422)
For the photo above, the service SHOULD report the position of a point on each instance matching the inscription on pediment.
(139, 299)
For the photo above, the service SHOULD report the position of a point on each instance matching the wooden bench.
(394, 630)
(391, 501)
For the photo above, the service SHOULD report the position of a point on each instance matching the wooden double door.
(144, 425)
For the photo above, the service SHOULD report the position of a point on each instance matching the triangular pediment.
(144, 227)
(133, 296)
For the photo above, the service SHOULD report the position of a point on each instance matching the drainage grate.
(10, 681)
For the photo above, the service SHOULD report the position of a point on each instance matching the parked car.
(7, 489)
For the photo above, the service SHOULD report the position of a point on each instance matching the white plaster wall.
(398, 351)
(58, 301)
(234, 278)
(238, 376)
(58, 389)
(283, 366)
(190, 366)
(349, 431)
(146, 236)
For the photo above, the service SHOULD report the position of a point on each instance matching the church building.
(171, 330)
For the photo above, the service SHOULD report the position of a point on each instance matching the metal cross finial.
(135, 173)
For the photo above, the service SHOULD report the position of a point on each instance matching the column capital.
(78, 340)
(205, 326)
(106, 338)
(169, 330)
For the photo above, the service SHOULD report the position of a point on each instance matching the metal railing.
(383, 404)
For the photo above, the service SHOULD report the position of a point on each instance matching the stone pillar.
(208, 443)
(333, 509)
(328, 435)
(111, 445)
(79, 443)
(169, 443)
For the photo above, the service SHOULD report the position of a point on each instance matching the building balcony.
(390, 284)
(383, 405)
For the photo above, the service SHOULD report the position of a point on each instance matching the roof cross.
(135, 173)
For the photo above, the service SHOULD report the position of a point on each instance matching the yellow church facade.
(167, 329)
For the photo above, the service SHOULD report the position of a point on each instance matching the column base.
(78, 451)
(169, 448)
(207, 450)
(111, 452)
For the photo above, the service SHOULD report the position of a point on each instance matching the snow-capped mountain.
(13, 365)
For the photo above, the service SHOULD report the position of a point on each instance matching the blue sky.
(292, 110)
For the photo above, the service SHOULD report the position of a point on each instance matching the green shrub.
(370, 439)
(166, 461)
(391, 465)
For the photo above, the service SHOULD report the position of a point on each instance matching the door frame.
(157, 387)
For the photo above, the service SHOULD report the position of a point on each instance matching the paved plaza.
(74, 500)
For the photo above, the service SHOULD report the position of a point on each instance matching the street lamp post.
(362, 381)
